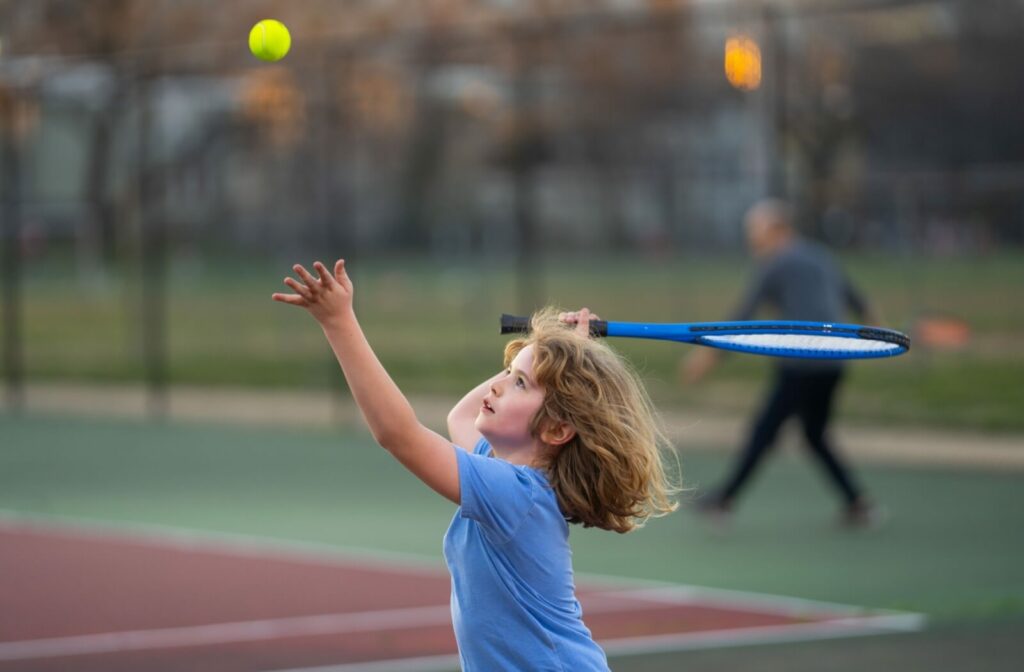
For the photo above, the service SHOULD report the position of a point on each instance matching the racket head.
(802, 340)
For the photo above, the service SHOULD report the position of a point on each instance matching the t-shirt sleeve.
(855, 300)
(494, 493)
(757, 292)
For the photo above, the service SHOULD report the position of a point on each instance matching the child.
(565, 434)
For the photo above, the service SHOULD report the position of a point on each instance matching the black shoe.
(863, 515)
(714, 510)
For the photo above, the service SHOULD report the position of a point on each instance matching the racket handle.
(512, 324)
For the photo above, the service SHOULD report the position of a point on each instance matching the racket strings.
(803, 343)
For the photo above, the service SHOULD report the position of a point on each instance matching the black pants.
(807, 394)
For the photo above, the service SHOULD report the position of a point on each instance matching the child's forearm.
(470, 403)
(387, 412)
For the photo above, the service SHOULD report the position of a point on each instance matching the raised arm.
(387, 412)
(858, 304)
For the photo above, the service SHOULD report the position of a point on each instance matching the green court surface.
(952, 548)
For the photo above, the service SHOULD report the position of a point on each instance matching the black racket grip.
(512, 324)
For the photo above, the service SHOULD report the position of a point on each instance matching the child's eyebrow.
(524, 375)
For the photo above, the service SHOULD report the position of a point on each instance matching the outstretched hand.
(327, 298)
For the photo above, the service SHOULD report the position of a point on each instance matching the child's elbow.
(396, 438)
(454, 416)
(389, 440)
(460, 416)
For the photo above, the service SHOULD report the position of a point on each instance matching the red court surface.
(77, 597)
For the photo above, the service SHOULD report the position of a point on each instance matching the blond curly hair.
(612, 474)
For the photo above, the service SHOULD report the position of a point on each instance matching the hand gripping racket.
(806, 340)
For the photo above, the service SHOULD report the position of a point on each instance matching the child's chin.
(491, 436)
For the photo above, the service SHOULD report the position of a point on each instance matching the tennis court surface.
(88, 596)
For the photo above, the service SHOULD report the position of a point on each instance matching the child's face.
(506, 412)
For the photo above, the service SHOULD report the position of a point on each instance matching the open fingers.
(311, 283)
(325, 277)
(292, 299)
(341, 275)
(570, 317)
(300, 289)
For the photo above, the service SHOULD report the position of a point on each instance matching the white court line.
(252, 546)
(424, 664)
(794, 607)
(199, 541)
(281, 628)
(226, 633)
(694, 641)
(854, 620)
(764, 634)
(287, 627)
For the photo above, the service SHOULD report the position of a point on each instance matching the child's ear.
(557, 433)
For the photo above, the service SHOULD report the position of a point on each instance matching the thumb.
(339, 271)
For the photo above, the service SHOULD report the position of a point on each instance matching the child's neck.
(527, 456)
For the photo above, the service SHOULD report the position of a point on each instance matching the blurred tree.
(96, 33)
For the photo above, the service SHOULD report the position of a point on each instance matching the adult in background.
(801, 280)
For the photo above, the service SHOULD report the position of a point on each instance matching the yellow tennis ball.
(269, 40)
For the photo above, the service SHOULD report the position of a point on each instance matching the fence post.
(10, 235)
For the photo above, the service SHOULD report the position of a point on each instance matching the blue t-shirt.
(513, 600)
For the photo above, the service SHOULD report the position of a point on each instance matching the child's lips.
(486, 407)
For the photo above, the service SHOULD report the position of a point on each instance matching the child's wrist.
(338, 320)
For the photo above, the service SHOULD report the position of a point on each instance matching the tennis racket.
(806, 340)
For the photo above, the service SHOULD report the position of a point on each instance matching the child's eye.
(520, 382)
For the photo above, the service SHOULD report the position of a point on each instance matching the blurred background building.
(156, 178)
(488, 126)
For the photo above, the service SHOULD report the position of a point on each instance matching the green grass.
(434, 327)
(952, 548)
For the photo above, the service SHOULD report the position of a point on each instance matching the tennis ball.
(269, 40)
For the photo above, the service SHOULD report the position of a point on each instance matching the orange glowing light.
(743, 62)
